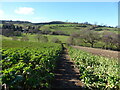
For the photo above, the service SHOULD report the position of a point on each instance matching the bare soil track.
(66, 74)
(100, 52)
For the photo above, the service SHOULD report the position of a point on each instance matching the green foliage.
(29, 65)
(71, 28)
(24, 38)
(56, 40)
(41, 38)
(14, 38)
(96, 72)
(71, 41)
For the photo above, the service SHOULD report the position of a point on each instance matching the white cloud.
(1, 12)
(24, 10)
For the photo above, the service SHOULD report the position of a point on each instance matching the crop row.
(96, 72)
(29, 67)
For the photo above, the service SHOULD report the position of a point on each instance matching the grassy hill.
(61, 30)
(71, 28)
(65, 27)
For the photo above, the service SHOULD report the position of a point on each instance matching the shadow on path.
(66, 75)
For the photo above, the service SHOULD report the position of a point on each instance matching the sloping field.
(101, 52)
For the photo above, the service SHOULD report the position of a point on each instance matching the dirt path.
(101, 52)
(67, 76)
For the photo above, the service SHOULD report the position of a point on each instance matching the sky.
(101, 13)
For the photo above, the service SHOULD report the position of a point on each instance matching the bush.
(42, 38)
(71, 41)
(24, 38)
(55, 40)
(14, 38)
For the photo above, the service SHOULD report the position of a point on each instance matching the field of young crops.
(28, 65)
(31, 65)
(96, 72)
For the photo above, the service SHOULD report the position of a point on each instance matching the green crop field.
(36, 55)
(96, 72)
(28, 65)
(31, 65)
(59, 45)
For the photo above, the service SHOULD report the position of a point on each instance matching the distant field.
(60, 37)
(4, 37)
(65, 29)
(21, 44)
(33, 38)
(71, 28)
(50, 37)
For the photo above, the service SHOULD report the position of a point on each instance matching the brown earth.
(100, 52)
(66, 74)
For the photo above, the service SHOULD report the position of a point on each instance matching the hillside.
(83, 34)
(40, 56)
(65, 27)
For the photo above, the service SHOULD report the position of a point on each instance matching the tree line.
(106, 40)
(9, 30)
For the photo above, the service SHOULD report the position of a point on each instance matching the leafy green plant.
(96, 72)
(29, 67)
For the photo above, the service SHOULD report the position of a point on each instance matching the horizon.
(58, 21)
(100, 13)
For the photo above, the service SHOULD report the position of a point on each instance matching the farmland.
(70, 28)
(100, 52)
(28, 67)
(96, 72)
(56, 45)
(32, 38)
(28, 62)
(41, 56)
(105, 37)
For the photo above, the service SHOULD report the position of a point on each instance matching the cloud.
(24, 10)
(1, 12)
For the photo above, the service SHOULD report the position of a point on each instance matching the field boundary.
(100, 52)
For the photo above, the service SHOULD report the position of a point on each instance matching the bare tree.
(110, 39)
(75, 35)
(90, 37)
